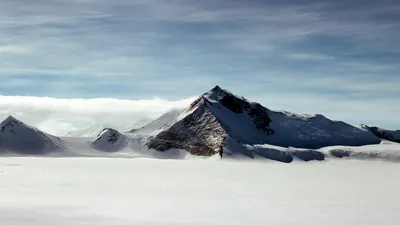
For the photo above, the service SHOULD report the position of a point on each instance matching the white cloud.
(309, 56)
(13, 49)
(58, 116)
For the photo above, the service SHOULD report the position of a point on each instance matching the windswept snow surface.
(65, 191)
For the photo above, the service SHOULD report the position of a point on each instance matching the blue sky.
(340, 58)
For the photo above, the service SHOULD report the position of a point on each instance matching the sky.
(65, 63)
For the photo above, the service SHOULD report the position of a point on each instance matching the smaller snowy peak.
(390, 135)
(15, 136)
(110, 140)
(14, 126)
(9, 124)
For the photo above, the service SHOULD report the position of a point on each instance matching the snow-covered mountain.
(17, 137)
(110, 140)
(219, 121)
(390, 135)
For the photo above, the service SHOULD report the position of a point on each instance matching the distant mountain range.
(217, 124)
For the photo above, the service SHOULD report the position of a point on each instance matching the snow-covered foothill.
(18, 137)
(110, 140)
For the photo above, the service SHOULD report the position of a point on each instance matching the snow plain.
(41, 191)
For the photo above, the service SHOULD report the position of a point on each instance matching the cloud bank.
(59, 116)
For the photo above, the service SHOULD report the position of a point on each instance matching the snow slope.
(159, 124)
(17, 137)
(94, 130)
(218, 117)
(106, 191)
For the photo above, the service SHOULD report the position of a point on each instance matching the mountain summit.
(110, 140)
(219, 118)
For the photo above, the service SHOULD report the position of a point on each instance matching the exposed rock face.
(113, 136)
(390, 135)
(110, 140)
(15, 136)
(199, 133)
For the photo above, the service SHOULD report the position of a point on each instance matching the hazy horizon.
(59, 116)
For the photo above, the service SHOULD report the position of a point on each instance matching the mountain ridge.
(250, 123)
(216, 123)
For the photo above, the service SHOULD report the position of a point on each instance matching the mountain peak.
(110, 140)
(216, 88)
(11, 119)
(217, 93)
(10, 123)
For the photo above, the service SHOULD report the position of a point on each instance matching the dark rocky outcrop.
(308, 155)
(112, 136)
(390, 135)
(199, 133)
